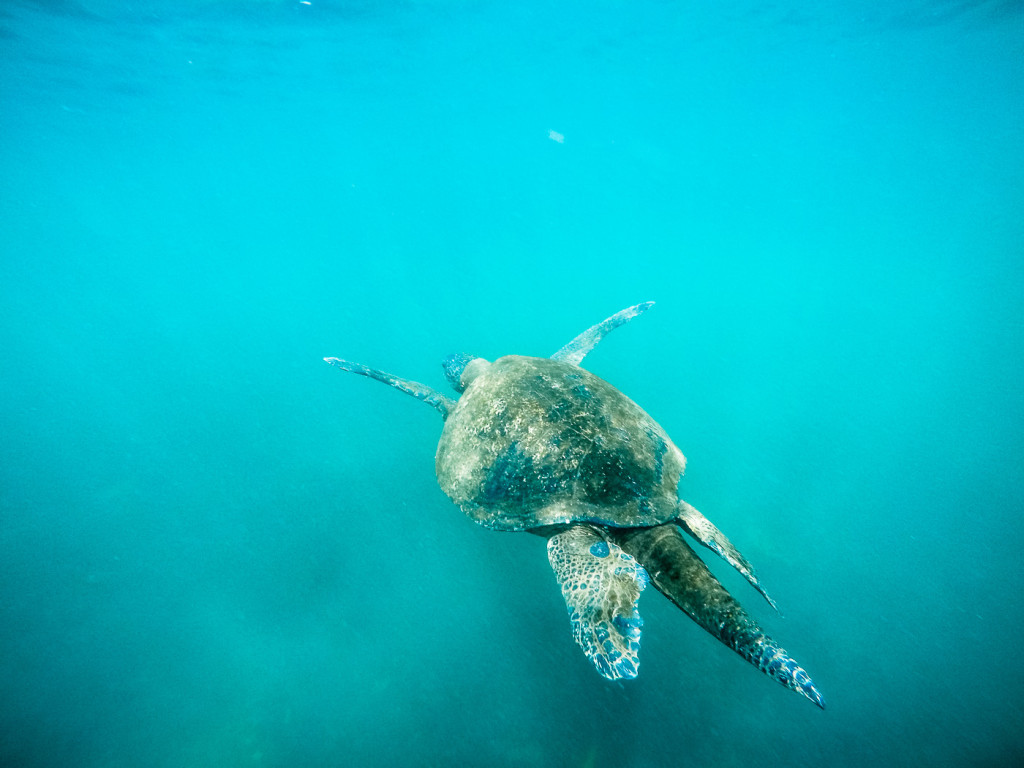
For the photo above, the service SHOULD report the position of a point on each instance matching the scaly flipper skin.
(580, 347)
(704, 531)
(422, 392)
(601, 585)
(683, 578)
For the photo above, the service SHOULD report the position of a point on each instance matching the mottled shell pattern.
(534, 442)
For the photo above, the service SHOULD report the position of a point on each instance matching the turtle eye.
(453, 366)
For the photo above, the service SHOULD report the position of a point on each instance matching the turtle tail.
(683, 578)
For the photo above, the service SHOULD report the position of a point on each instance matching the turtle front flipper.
(422, 392)
(704, 531)
(578, 348)
(601, 585)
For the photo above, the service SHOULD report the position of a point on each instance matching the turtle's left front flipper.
(601, 585)
(422, 392)
(683, 578)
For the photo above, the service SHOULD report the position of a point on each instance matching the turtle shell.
(534, 442)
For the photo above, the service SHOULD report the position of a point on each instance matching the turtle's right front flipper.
(683, 578)
(601, 585)
(580, 347)
(419, 391)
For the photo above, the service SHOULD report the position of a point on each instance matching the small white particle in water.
(556, 136)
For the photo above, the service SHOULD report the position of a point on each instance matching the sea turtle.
(541, 445)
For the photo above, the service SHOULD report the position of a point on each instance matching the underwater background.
(216, 550)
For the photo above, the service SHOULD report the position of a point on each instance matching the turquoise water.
(216, 550)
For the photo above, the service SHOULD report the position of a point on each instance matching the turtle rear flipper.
(704, 531)
(601, 585)
(683, 578)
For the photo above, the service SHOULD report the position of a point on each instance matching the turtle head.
(460, 369)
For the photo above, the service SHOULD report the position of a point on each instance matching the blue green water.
(216, 550)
